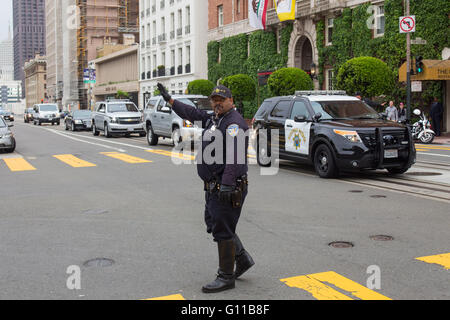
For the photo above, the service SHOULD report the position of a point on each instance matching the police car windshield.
(199, 103)
(2, 123)
(122, 107)
(343, 110)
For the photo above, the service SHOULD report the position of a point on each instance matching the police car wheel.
(324, 162)
(262, 153)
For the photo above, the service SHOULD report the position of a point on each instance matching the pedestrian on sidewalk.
(436, 113)
(225, 180)
(401, 114)
(391, 112)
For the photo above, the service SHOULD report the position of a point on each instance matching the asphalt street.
(68, 198)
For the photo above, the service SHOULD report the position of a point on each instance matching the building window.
(278, 40)
(329, 79)
(329, 31)
(220, 16)
(238, 6)
(379, 21)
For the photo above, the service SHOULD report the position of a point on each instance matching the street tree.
(201, 86)
(367, 75)
(286, 81)
(242, 87)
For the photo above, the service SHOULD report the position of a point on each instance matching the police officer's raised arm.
(183, 110)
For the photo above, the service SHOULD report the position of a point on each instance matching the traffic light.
(419, 64)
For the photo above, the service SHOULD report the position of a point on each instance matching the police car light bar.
(320, 93)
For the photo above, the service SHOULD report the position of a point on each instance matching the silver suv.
(46, 113)
(117, 117)
(161, 121)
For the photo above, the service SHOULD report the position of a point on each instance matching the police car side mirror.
(300, 119)
(317, 116)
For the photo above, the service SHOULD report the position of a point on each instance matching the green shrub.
(286, 81)
(122, 95)
(201, 86)
(242, 87)
(367, 75)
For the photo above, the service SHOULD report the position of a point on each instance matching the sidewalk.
(443, 139)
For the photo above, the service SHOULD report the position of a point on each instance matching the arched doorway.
(303, 57)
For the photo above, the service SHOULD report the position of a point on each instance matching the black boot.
(243, 260)
(225, 275)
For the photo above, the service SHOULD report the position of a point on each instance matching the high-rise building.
(173, 47)
(7, 59)
(76, 29)
(29, 34)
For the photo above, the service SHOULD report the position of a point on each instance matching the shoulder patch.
(233, 130)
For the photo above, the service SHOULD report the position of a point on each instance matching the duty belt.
(214, 185)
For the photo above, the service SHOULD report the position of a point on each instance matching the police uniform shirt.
(228, 124)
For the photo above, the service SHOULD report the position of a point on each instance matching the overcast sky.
(6, 16)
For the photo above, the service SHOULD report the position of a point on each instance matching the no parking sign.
(407, 24)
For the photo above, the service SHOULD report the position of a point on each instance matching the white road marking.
(97, 144)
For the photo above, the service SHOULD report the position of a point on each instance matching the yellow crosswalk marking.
(425, 146)
(18, 164)
(441, 259)
(171, 297)
(314, 284)
(172, 154)
(125, 157)
(73, 161)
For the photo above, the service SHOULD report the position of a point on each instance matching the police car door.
(297, 129)
(276, 122)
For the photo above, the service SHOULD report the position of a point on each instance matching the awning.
(433, 70)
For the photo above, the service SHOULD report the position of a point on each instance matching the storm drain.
(340, 244)
(381, 237)
(95, 211)
(99, 262)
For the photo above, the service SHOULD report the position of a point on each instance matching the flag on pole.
(257, 10)
(285, 9)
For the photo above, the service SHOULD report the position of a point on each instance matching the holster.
(238, 194)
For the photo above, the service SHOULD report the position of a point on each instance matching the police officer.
(225, 181)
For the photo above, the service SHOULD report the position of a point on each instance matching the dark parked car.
(334, 132)
(7, 115)
(78, 120)
(7, 141)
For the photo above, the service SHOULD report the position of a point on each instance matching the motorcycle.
(421, 129)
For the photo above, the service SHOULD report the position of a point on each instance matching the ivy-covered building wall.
(248, 54)
(351, 37)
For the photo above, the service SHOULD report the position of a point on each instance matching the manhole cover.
(99, 262)
(376, 196)
(340, 244)
(355, 191)
(95, 211)
(381, 237)
(424, 173)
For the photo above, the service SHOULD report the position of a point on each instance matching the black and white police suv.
(333, 131)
